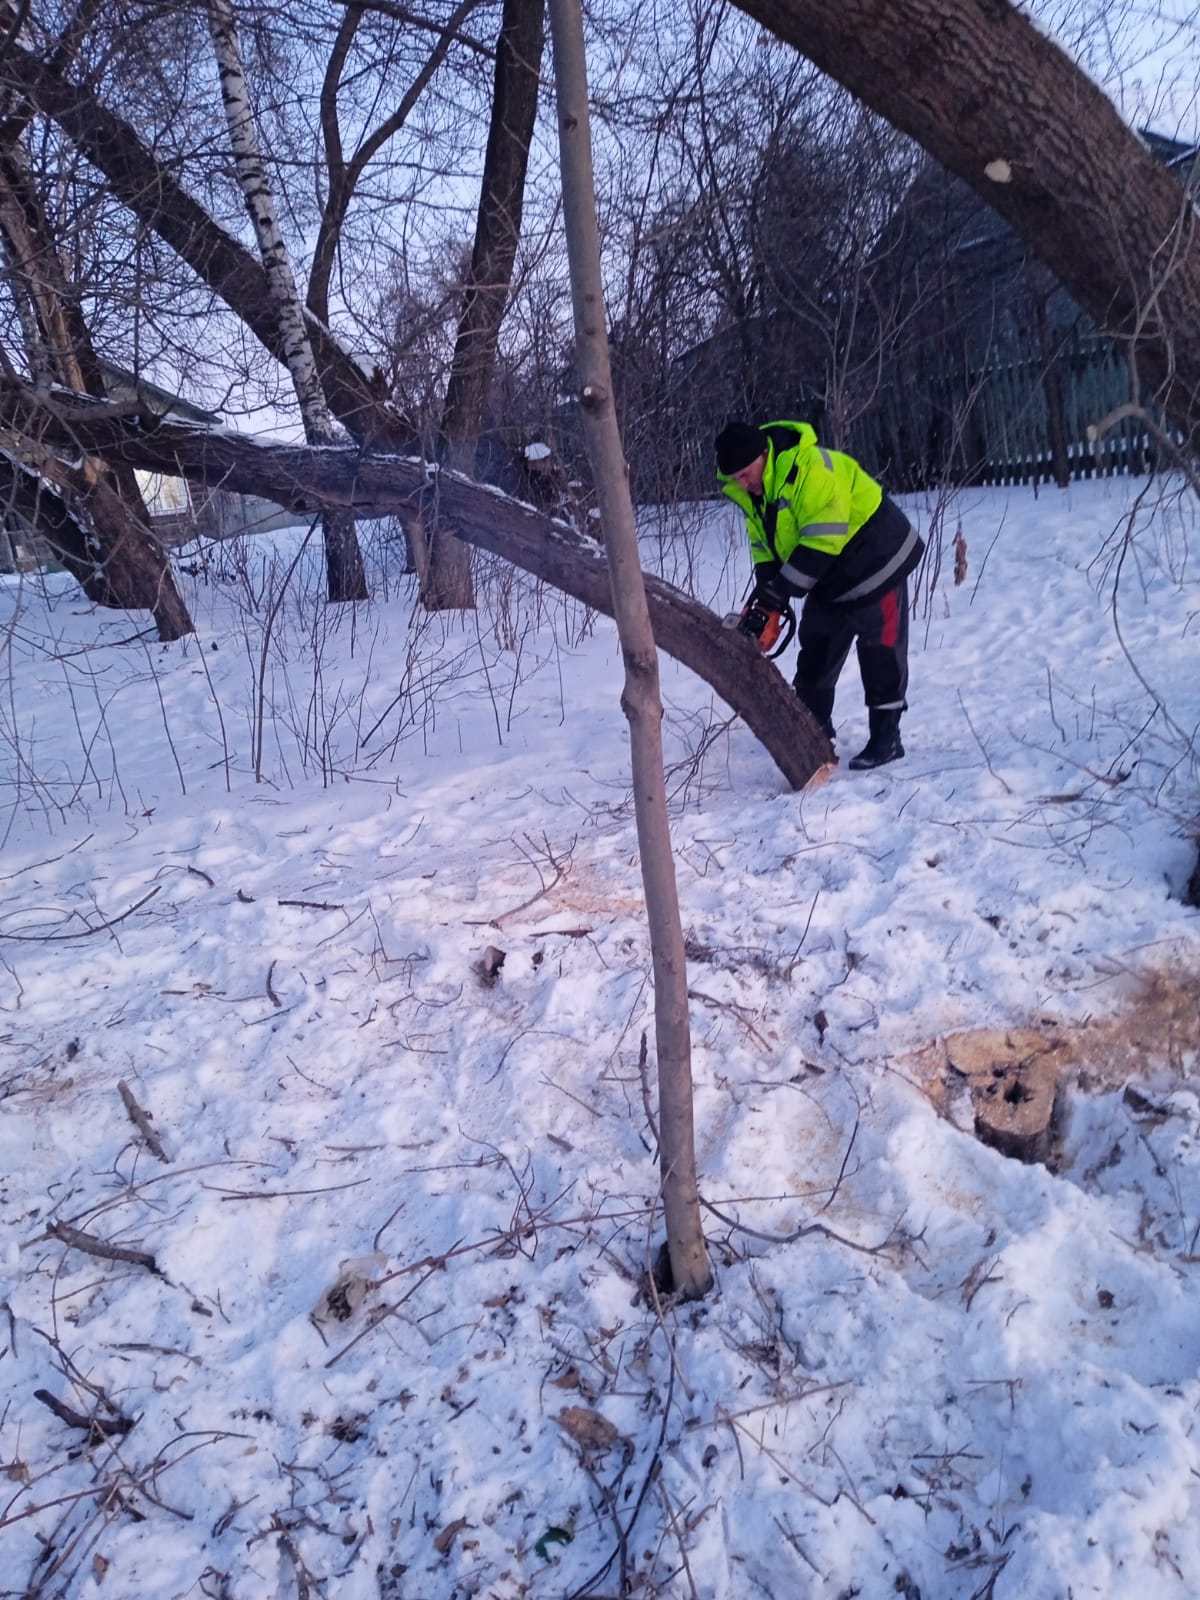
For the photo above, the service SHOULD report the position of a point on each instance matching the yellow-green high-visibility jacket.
(822, 524)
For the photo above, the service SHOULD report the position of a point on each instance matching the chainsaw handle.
(772, 629)
(785, 632)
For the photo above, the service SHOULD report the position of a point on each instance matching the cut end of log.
(823, 774)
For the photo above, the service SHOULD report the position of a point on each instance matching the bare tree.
(353, 137)
(94, 519)
(497, 234)
(344, 170)
(751, 206)
(1046, 149)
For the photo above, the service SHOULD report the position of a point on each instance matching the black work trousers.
(879, 629)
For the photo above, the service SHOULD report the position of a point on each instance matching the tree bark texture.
(119, 561)
(115, 563)
(260, 207)
(345, 575)
(446, 581)
(305, 480)
(497, 227)
(997, 102)
(641, 700)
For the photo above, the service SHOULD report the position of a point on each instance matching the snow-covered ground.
(386, 1332)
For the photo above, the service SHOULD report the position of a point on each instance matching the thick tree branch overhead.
(1004, 108)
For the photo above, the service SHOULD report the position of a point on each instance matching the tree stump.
(1013, 1076)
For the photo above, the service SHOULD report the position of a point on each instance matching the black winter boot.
(883, 745)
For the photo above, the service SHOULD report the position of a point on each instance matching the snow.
(397, 1341)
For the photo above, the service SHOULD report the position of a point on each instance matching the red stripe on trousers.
(891, 619)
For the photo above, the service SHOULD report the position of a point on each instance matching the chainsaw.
(771, 626)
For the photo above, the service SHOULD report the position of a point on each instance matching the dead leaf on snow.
(588, 1428)
(448, 1534)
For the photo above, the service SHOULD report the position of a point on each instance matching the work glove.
(767, 613)
(766, 617)
(770, 591)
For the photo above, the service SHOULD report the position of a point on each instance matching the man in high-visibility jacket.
(822, 530)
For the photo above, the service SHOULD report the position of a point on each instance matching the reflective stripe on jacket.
(822, 523)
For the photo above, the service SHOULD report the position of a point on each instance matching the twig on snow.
(651, 1475)
(560, 871)
(280, 1194)
(141, 1121)
(726, 1419)
(95, 1426)
(796, 1234)
(303, 1575)
(89, 928)
(89, 1245)
(789, 1534)
(982, 746)
(674, 1521)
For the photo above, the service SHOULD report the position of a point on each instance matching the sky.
(383, 1326)
(1145, 55)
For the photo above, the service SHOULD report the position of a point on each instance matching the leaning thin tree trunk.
(446, 581)
(641, 700)
(345, 577)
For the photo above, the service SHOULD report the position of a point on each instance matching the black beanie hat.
(738, 444)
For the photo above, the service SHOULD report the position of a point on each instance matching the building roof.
(123, 385)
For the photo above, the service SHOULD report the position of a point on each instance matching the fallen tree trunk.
(370, 485)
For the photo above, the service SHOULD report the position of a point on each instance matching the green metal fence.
(1008, 420)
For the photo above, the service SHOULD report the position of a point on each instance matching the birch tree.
(343, 559)
(641, 699)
